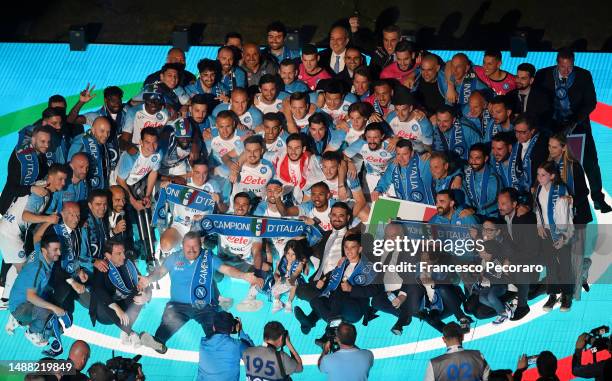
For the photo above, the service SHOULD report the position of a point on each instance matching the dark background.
(438, 24)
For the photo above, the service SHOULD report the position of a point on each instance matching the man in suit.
(530, 150)
(529, 99)
(333, 58)
(571, 91)
(523, 236)
(326, 254)
(353, 59)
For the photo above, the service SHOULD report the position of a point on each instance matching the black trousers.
(340, 304)
(105, 315)
(414, 295)
(177, 315)
(452, 300)
(307, 291)
(65, 296)
(590, 162)
(559, 278)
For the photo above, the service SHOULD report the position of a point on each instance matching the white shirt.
(332, 61)
(332, 252)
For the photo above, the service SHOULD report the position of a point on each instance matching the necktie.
(563, 80)
(519, 157)
(74, 237)
(337, 65)
(104, 158)
(523, 105)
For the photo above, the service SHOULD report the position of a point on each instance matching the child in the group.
(288, 274)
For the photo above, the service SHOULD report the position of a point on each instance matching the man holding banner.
(193, 290)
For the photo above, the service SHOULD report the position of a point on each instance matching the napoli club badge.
(247, 119)
(206, 224)
(416, 196)
(561, 93)
(159, 116)
(263, 170)
(200, 292)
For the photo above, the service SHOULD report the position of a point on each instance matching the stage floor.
(33, 72)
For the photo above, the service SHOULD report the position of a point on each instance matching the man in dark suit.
(571, 91)
(531, 150)
(332, 59)
(326, 254)
(529, 99)
(353, 59)
(524, 239)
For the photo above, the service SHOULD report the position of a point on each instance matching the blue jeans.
(490, 296)
(177, 314)
(36, 317)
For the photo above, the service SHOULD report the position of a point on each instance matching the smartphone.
(335, 323)
(531, 360)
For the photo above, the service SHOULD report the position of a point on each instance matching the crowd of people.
(177, 180)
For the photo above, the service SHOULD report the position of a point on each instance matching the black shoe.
(397, 329)
(566, 303)
(602, 206)
(369, 316)
(586, 286)
(552, 300)
(520, 313)
(54, 350)
(303, 319)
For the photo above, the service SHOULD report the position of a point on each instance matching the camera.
(330, 333)
(125, 369)
(595, 340)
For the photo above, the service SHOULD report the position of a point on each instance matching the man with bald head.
(175, 56)
(461, 81)
(333, 59)
(76, 188)
(250, 117)
(119, 223)
(255, 65)
(79, 355)
(428, 85)
(232, 76)
(100, 151)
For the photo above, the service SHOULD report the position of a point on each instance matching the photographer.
(595, 370)
(348, 362)
(546, 363)
(220, 353)
(269, 361)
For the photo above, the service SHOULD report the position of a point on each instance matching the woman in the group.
(572, 174)
(553, 206)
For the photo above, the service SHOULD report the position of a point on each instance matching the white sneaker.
(225, 303)
(11, 325)
(134, 340)
(277, 305)
(36, 338)
(249, 304)
(125, 338)
(501, 318)
(288, 307)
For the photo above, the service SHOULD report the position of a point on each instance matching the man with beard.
(256, 66)
(25, 167)
(449, 213)
(481, 183)
(408, 123)
(316, 211)
(530, 99)
(452, 135)
(298, 168)
(231, 75)
(252, 175)
(273, 138)
(97, 145)
(501, 110)
(208, 82)
(112, 108)
(381, 100)
(353, 60)
(372, 150)
(175, 96)
(269, 98)
(60, 139)
(276, 49)
(226, 146)
(529, 151)
(501, 147)
(403, 69)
